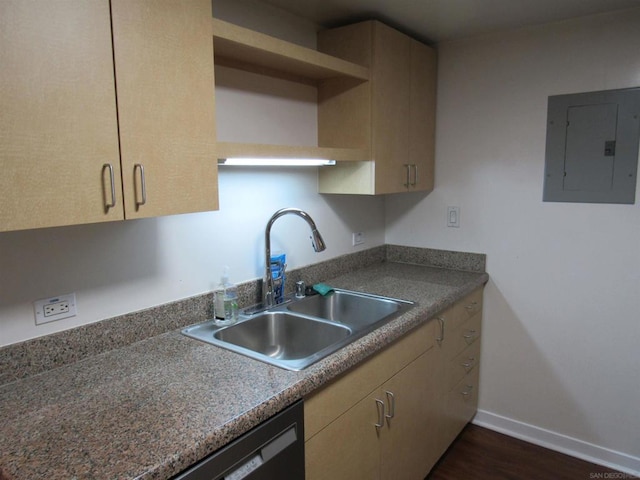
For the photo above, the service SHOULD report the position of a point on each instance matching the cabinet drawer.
(464, 309)
(457, 340)
(324, 406)
(461, 404)
(463, 365)
(471, 304)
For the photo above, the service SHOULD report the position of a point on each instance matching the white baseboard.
(560, 443)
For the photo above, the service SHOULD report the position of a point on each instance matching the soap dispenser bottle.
(226, 301)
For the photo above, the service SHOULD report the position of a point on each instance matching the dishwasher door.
(272, 450)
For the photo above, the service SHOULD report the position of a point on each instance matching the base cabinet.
(458, 366)
(376, 438)
(393, 416)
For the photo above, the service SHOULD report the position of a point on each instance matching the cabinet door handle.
(392, 405)
(138, 167)
(415, 174)
(440, 339)
(112, 203)
(380, 407)
(408, 168)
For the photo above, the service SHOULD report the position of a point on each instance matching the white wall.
(560, 347)
(126, 266)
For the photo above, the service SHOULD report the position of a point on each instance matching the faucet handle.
(300, 288)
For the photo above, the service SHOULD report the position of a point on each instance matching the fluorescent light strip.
(276, 162)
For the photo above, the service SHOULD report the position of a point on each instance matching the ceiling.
(438, 20)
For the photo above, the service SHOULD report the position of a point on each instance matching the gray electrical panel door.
(592, 147)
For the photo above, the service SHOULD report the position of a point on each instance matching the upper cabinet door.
(422, 115)
(58, 125)
(391, 75)
(163, 52)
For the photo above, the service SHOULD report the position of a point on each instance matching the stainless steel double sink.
(300, 332)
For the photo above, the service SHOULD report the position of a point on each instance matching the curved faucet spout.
(316, 241)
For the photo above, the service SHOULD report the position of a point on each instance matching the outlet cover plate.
(55, 308)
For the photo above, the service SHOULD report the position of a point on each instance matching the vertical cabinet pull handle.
(138, 167)
(392, 405)
(380, 407)
(440, 339)
(409, 182)
(112, 203)
(467, 392)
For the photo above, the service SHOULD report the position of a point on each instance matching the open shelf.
(242, 48)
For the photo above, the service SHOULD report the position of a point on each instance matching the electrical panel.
(592, 147)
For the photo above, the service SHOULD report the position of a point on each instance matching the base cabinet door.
(407, 448)
(348, 448)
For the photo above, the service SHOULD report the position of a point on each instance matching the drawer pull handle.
(470, 336)
(467, 392)
(392, 405)
(440, 339)
(472, 306)
(469, 364)
(380, 407)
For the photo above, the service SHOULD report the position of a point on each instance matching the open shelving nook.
(244, 49)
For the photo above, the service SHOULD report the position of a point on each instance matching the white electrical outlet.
(358, 238)
(55, 308)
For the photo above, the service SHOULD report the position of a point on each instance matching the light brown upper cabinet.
(85, 140)
(393, 114)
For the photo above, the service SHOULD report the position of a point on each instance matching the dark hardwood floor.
(482, 454)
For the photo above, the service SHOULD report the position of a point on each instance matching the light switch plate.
(453, 217)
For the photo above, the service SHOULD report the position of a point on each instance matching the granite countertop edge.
(284, 388)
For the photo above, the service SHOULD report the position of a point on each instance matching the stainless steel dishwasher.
(272, 450)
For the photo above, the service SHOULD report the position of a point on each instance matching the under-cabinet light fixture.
(276, 162)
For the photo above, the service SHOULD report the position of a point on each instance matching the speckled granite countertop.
(151, 409)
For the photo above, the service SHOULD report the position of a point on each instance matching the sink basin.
(284, 336)
(352, 308)
(281, 338)
(296, 334)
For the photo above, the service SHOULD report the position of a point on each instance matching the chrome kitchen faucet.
(316, 241)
